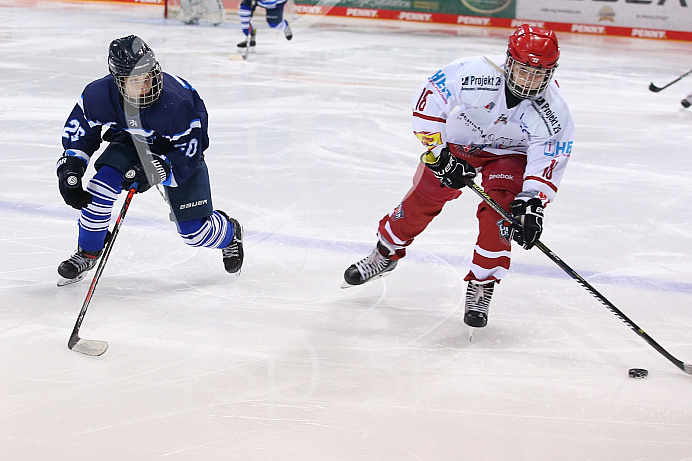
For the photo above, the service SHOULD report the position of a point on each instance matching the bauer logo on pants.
(193, 204)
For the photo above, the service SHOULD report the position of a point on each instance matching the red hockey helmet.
(532, 55)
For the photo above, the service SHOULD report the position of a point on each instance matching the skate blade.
(64, 282)
(472, 330)
(345, 284)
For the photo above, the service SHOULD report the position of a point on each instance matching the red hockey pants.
(502, 179)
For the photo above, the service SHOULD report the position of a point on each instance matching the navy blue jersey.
(174, 126)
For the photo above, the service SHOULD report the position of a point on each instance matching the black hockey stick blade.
(654, 88)
(93, 347)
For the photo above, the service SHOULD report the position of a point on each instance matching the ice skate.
(477, 303)
(687, 102)
(243, 46)
(377, 264)
(233, 254)
(72, 270)
(288, 32)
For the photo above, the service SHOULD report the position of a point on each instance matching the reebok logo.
(501, 176)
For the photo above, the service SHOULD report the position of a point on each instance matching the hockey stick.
(687, 368)
(250, 29)
(246, 52)
(95, 347)
(656, 89)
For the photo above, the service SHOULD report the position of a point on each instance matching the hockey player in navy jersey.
(275, 19)
(155, 125)
(504, 118)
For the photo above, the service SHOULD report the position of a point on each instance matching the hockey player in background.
(191, 11)
(504, 118)
(156, 129)
(275, 19)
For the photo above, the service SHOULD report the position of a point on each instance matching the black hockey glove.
(70, 171)
(451, 171)
(156, 173)
(530, 215)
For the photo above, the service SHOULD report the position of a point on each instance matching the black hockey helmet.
(136, 71)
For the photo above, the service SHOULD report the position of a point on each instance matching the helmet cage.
(134, 67)
(526, 81)
(129, 84)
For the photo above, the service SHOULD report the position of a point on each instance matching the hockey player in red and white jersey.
(500, 117)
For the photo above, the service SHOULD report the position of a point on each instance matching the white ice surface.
(310, 146)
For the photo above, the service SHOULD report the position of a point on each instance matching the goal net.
(172, 8)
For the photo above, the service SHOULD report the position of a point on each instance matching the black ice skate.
(243, 46)
(477, 303)
(377, 264)
(72, 270)
(233, 254)
(686, 103)
(288, 32)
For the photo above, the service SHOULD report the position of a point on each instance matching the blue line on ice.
(549, 271)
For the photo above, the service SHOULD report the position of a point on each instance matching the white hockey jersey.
(464, 103)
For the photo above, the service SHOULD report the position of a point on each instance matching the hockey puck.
(638, 373)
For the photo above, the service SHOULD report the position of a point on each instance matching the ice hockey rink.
(310, 146)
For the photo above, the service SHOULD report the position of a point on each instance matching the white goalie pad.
(214, 10)
(190, 9)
